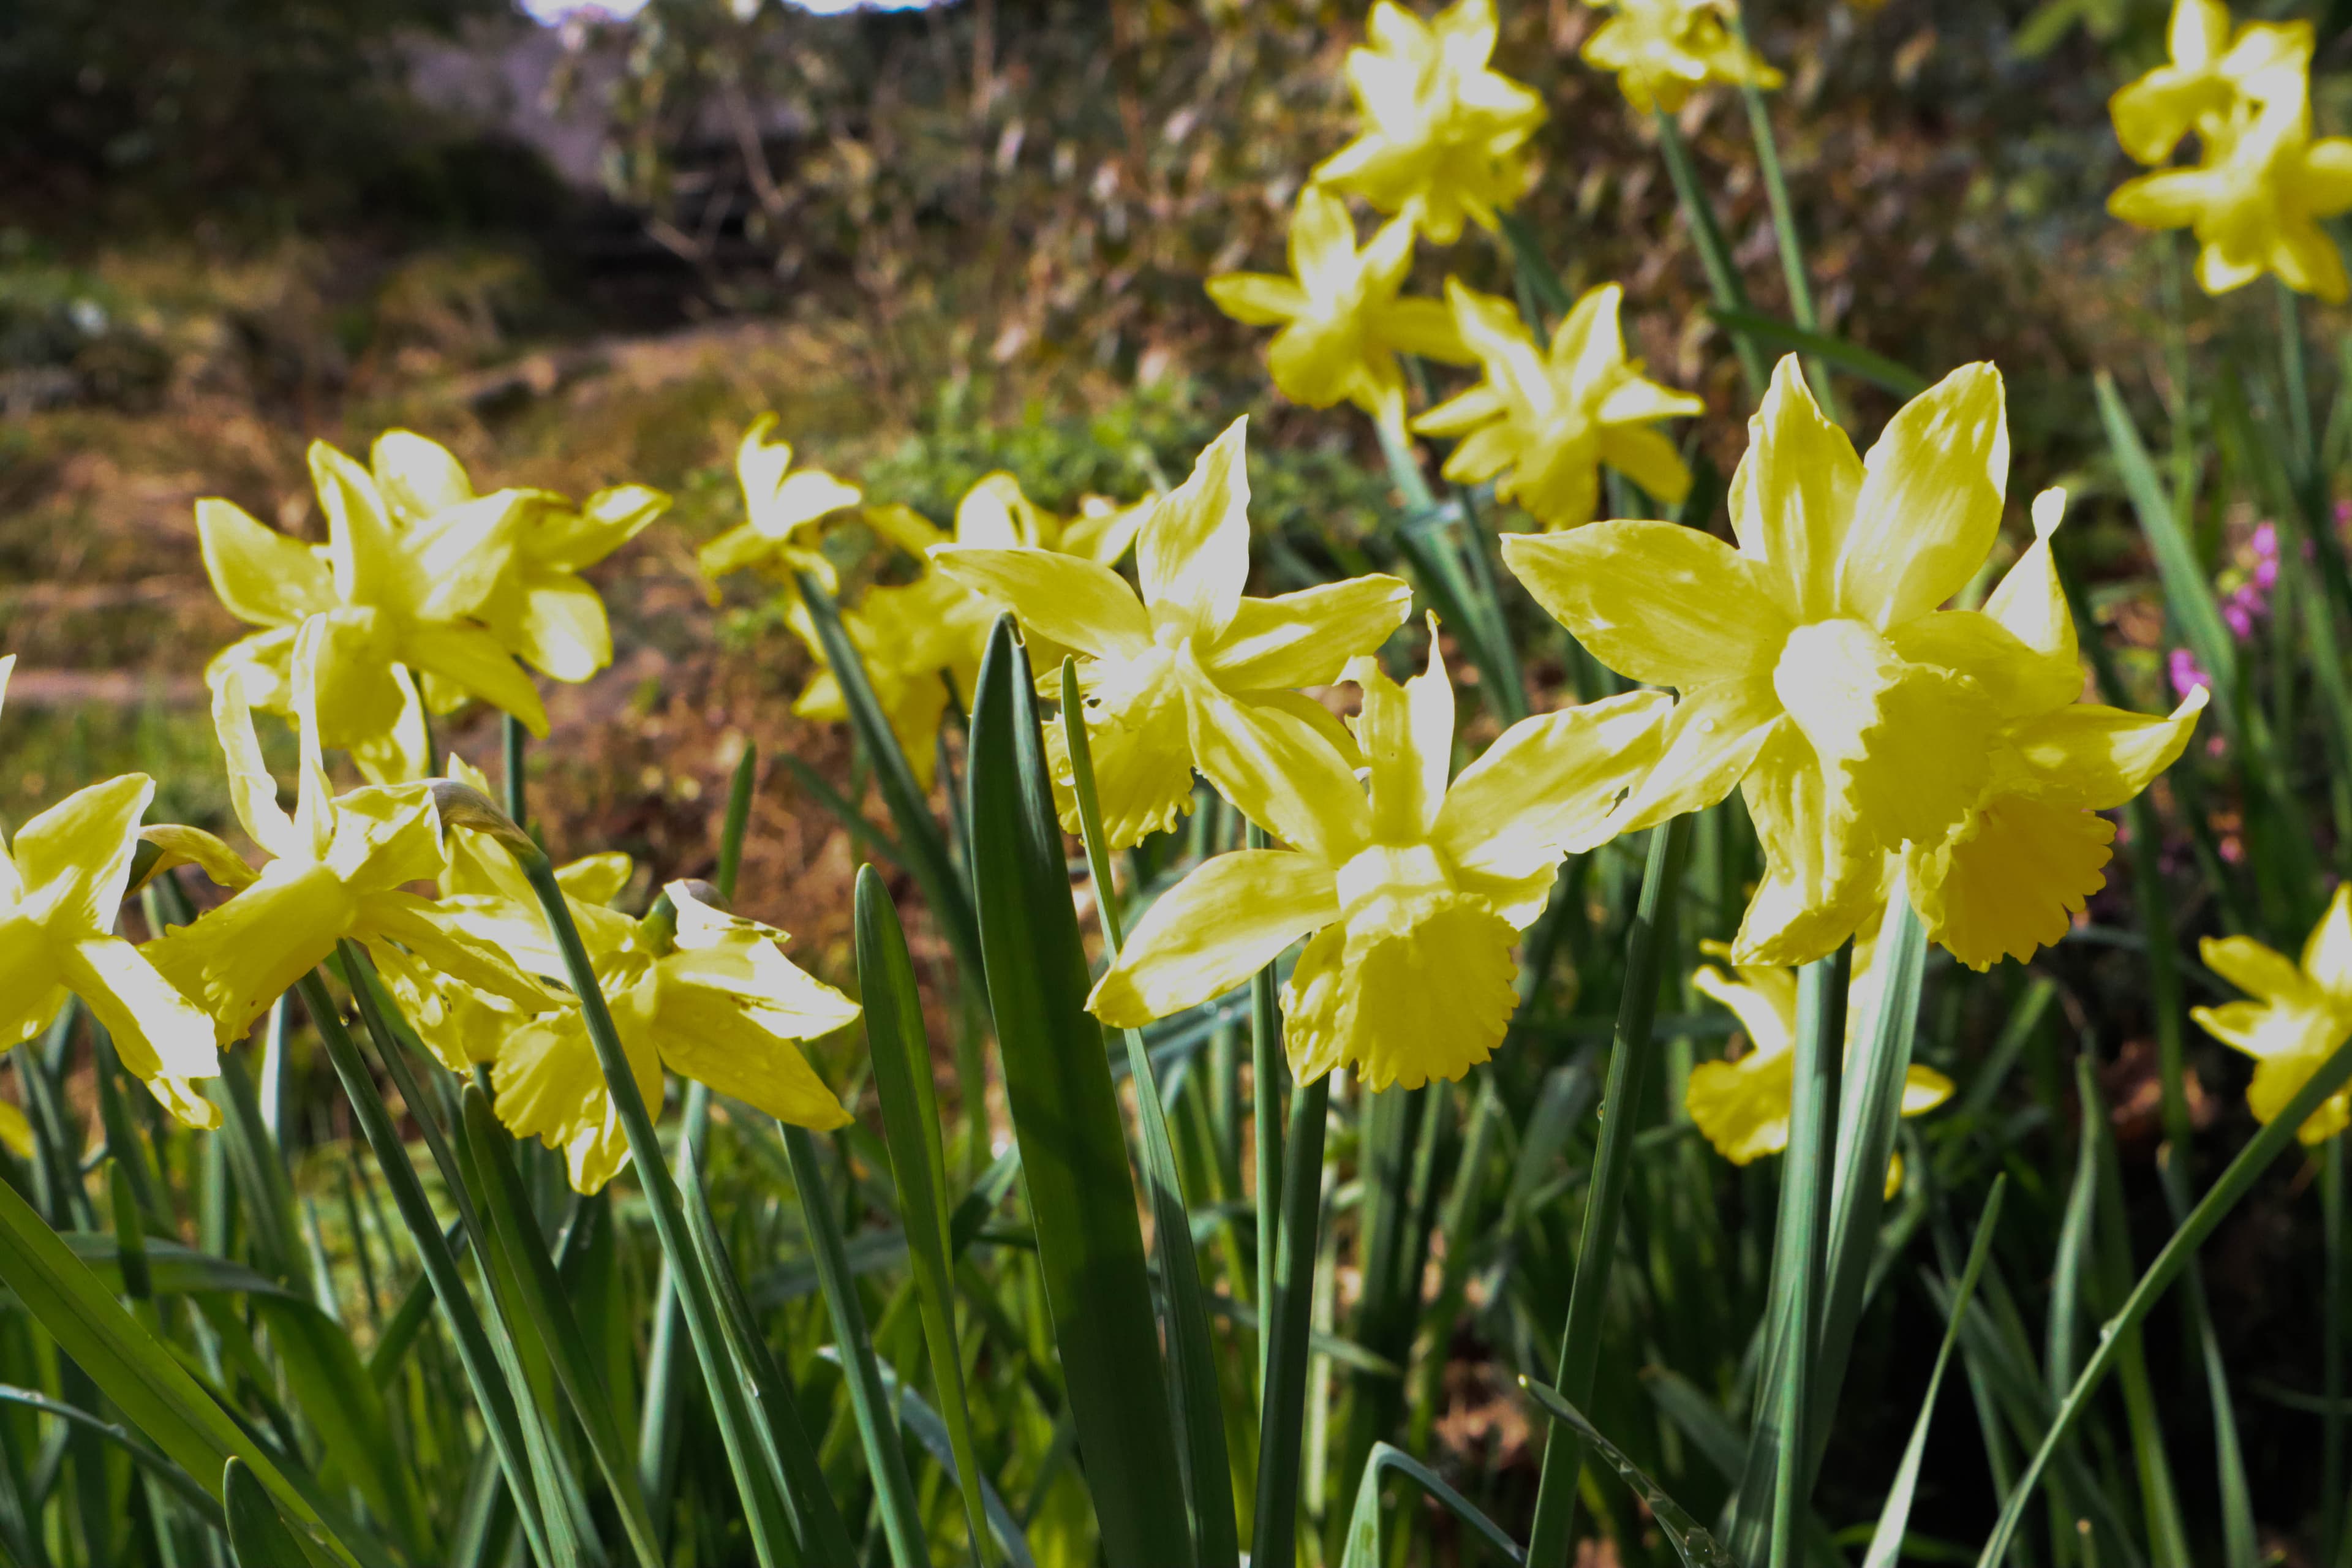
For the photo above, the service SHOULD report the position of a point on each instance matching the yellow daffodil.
(60, 885)
(1816, 673)
(390, 594)
(1411, 896)
(1662, 49)
(920, 641)
(1343, 323)
(2215, 70)
(340, 867)
(2254, 204)
(783, 507)
(1443, 134)
(1742, 1106)
(538, 605)
(1545, 422)
(2304, 1012)
(1190, 672)
(691, 988)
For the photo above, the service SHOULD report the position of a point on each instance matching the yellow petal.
(362, 551)
(1141, 745)
(264, 577)
(2327, 952)
(417, 476)
(2029, 601)
(1823, 878)
(1793, 495)
(1426, 328)
(2255, 968)
(710, 1036)
(596, 879)
(1424, 993)
(2278, 1080)
(1923, 1088)
(15, 1132)
(471, 658)
(1764, 1000)
(1659, 602)
(1192, 553)
(1407, 734)
(2097, 757)
(1649, 459)
(453, 953)
(549, 1086)
(1278, 772)
(157, 1029)
(75, 857)
(1742, 1107)
(1074, 602)
(1929, 507)
(563, 630)
(238, 958)
(252, 793)
(2020, 679)
(1258, 298)
(30, 995)
(1546, 787)
(1233, 916)
(2011, 879)
(195, 847)
(567, 540)
(1306, 639)
(1710, 741)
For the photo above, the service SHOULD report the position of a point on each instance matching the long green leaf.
(1191, 1352)
(506, 1211)
(1876, 368)
(1895, 1515)
(919, 839)
(1367, 1547)
(183, 1486)
(877, 1427)
(1692, 1544)
(1648, 947)
(2235, 1182)
(924, 1425)
(153, 1392)
(1289, 1323)
(257, 1537)
(900, 1052)
(2240, 1546)
(1065, 1116)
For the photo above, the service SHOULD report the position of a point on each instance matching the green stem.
(1273, 1542)
(2334, 1545)
(1647, 943)
(2298, 385)
(1722, 276)
(513, 738)
(1784, 224)
(1806, 1181)
(492, 1397)
(2235, 1182)
(1268, 1072)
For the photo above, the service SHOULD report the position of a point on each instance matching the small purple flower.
(2186, 675)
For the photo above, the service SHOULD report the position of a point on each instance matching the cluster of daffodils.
(2262, 181)
(1444, 143)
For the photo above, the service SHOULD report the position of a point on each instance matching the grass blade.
(1895, 1516)
(257, 1537)
(923, 1424)
(506, 1211)
(1366, 1547)
(1289, 1321)
(1191, 1352)
(901, 1057)
(1065, 1116)
(2239, 1545)
(877, 1428)
(2234, 1183)
(1853, 359)
(1693, 1545)
(183, 1486)
(1649, 940)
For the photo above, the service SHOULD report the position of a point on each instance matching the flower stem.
(1722, 276)
(2335, 1546)
(1784, 224)
(512, 741)
(1268, 1072)
(1648, 942)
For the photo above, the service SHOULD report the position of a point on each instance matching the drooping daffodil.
(537, 604)
(2216, 71)
(1742, 1106)
(2254, 202)
(2300, 1015)
(1545, 421)
(1443, 135)
(1660, 50)
(340, 867)
(1411, 896)
(1816, 674)
(391, 596)
(691, 988)
(1192, 672)
(783, 507)
(1342, 322)
(60, 885)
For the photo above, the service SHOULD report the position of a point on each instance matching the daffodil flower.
(783, 507)
(2254, 204)
(1190, 672)
(691, 988)
(1546, 421)
(2214, 69)
(1343, 323)
(1443, 134)
(389, 597)
(340, 867)
(2302, 1013)
(60, 885)
(538, 605)
(1742, 1106)
(1816, 674)
(1411, 896)
(1662, 49)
